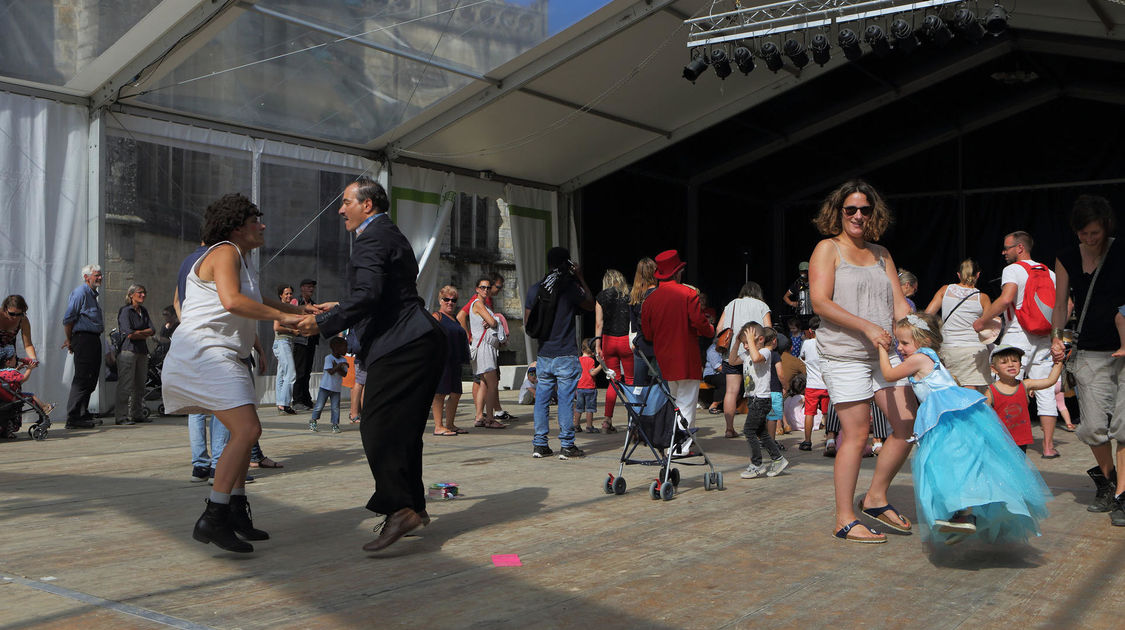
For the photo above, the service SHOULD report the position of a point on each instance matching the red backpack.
(1034, 315)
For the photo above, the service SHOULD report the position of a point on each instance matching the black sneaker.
(200, 473)
(542, 451)
(805, 446)
(1117, 516)
(571, 452)
(79, 424)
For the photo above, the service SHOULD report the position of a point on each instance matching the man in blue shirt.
(83, 323)
(557, 362)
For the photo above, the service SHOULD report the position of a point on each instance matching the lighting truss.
(742, 23)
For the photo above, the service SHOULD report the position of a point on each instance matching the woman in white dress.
(205, 370)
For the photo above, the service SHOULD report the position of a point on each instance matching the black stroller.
(656, 423)
(11, 415)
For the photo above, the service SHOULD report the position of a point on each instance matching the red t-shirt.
(585, 381)
(14, 379)
(1014, 413)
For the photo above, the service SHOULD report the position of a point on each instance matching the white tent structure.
(121, 119)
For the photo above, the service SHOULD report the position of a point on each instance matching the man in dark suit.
(402, 348)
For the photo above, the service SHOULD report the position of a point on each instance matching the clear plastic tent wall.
(126, 188)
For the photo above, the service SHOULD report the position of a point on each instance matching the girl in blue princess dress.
(970, 478)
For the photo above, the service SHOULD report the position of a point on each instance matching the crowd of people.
(854, 354)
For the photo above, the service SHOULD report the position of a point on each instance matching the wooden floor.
(96, 531)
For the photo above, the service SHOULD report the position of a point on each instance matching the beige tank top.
(864, 292)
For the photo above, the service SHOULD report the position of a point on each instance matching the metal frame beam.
(597, 112)
(964, 124)
(601, 32)
(1069, 46)
(181, 19)
(440, 64)
(857, 107)
(157, 113)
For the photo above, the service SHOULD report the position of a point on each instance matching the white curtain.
(43, 211)
(534, 218)
(421, 200)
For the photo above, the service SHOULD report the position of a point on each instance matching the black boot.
(215, 526)
(241, 520)
(1117, 515)
(1103, 500)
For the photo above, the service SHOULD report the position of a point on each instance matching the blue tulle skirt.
(968, 460)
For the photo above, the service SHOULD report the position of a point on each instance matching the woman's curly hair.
(830, 222)
(225, 216)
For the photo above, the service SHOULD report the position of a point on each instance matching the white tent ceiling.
(579, 93)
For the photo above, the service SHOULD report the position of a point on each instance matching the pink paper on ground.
(506, 560)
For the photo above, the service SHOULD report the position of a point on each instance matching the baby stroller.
(13, 405)
(657, 424)
(154, 397)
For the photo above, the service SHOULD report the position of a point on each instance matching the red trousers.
(619, 357)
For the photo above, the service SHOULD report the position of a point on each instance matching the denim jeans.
(756, 433)
(325, 395)
(563, 373)
(197, 433)
(286, 371)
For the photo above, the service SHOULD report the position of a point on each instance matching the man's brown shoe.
(396, 526)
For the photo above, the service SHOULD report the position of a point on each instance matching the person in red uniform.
(1008, 395)
(673, 320)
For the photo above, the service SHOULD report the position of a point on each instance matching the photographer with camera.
(798, 296)
(1093, 269)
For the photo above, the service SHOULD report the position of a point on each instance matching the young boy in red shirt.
(1008, 395)
(586, 396)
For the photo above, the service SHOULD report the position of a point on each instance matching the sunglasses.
(11, 314)
(485, 286)
(864, 210)
(447, 299)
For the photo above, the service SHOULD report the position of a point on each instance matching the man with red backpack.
(1027, 299)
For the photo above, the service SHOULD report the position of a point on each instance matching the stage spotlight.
(820, 47)
(696, 67)
(996, 21)
(772, 56)
(849, 43)
(877, 40)
(720, 62)
(934, 31)
(965, 21)
(796, 53)
(743, 59)
(904, 36)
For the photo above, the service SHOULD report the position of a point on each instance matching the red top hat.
(667, 264)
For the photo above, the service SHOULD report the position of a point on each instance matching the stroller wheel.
(160, 410)
(607, 486)
(719, 481)
(145, 411)
(667, 491)
(654, 490)
(619, 485)
(37, 432)
(707, 481)
(674, 476)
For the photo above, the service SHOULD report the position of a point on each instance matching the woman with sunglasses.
(482, 336)
(855, 290)
(449, 390)
(13, 321)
